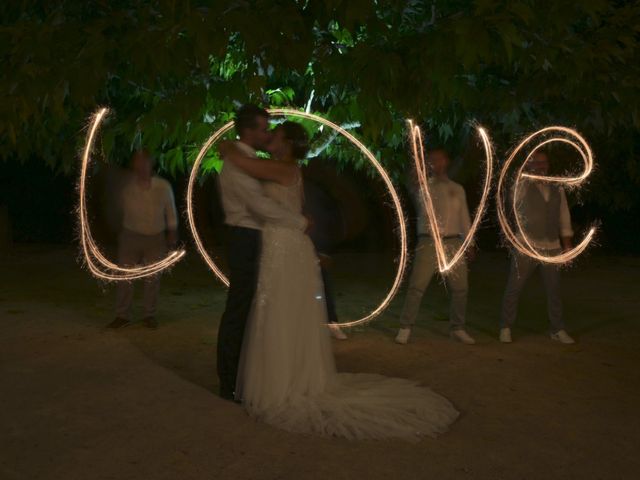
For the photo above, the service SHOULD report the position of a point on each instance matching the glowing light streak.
(445, 265)
(190, 216)
(97, 263)
(317, 151)
(402, 230)
(518, 238)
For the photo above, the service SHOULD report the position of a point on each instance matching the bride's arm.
(262, 169)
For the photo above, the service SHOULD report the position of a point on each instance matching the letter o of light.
(402, 229)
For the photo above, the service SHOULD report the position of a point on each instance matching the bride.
(287, 376)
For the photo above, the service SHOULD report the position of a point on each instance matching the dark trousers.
(244, 262)
(522, 267)
(329, 299)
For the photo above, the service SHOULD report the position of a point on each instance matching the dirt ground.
(78, 402)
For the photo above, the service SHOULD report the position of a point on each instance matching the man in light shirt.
(452, 213)
(544, 214)
(246, 209)
(149, 227)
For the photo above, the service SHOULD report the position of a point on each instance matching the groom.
(246, 209)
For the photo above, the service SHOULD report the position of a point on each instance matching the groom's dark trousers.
(244, 262)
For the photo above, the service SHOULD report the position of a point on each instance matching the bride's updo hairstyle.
(297, 137)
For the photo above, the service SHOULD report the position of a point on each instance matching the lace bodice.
(289, 196)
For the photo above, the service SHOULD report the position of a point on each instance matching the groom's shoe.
(336, 332)
(231, 398)
(462, 336)
(226, 394)
(403, 336)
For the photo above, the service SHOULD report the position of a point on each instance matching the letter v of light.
(444, 264)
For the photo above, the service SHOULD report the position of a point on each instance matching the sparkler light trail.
(97, 263)
(402, 229)
(519, 238)
(217, 135)
(445, 265)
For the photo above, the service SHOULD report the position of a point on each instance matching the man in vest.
(544, 215)
(452, 215)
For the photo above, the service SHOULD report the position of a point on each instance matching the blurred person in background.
(452, 214)
(544, 214)
(149, 230)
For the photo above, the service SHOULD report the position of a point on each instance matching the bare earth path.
(77, 402)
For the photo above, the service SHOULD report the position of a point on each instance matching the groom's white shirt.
(246, 205)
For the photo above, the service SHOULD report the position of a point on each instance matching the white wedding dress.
(287, 376)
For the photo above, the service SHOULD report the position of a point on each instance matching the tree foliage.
(174, 69)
